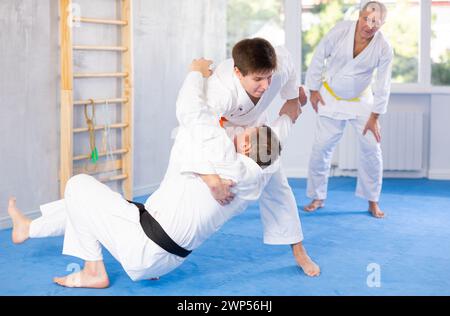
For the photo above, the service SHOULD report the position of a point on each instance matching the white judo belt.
(156, 233)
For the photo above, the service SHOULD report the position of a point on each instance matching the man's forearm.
(219, 188)
(293, 100)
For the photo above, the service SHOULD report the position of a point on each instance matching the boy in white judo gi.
(240, 91)
(340, 79)
(183, 205)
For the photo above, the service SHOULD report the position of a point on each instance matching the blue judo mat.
(407, 253)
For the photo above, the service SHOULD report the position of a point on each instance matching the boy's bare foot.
(375, 210)
(309, 267)
(21, 223)
(92, 276)
(314, 205)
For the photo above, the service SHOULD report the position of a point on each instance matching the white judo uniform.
(348, 78)
(91, 214)
(225, 94)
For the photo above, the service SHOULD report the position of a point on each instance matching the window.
(417, 65)
(401, 28)
(319, 17)
(440, 43)
(255, 18)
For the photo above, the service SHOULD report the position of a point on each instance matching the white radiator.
(401, 143)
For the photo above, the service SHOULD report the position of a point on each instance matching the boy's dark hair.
(254, 55)
(265, 146)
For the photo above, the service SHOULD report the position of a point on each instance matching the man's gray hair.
(374, 6)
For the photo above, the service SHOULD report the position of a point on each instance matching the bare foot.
(21, 223)
(309, 267)
(375, 210)
(93, 276)
(314, 205)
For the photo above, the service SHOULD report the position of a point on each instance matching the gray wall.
(167, 36)
(29, 121)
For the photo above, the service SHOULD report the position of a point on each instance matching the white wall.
(439, 148)
(436, 155)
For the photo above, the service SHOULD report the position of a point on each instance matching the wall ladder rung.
(101, 101)
(102, 154)
(105, 48)
(101, 75)
(97, 168)
(100, 127)
(113, 178)
(100, 21)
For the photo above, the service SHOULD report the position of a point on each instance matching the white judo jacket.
(229, 99)
(350, 77)
(183, 203)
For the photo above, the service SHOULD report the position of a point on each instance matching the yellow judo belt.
(327, 86)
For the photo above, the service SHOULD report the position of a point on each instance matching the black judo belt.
(156, 233)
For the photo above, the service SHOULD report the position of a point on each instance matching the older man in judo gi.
(340, 80)
(151, 241)
(240, 91)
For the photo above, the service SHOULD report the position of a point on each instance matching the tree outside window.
(255, 18)
(401, 28)
(265, 18)
(440, 43)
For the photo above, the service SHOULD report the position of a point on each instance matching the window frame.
(293, 23)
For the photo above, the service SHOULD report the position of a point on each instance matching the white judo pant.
(92, 215)
(370, 162)
(279, 212)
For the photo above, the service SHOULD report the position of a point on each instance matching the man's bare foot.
(93, 276)
(21, 223)
(309, 267)
(314, 205)
(375, 210)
